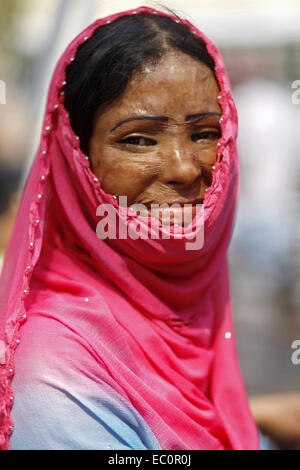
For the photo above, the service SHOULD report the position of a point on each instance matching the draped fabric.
(154, 316)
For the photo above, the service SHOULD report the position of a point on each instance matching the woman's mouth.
(176, 213)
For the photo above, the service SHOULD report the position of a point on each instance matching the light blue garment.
(53, 416)
(266, 443)
(61, 403)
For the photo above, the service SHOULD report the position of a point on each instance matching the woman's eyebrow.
(200, 115)
(162, 118)
(140, 118)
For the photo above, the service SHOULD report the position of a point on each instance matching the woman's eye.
(208, 135)
(138, 141)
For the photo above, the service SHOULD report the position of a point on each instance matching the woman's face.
(157, 142)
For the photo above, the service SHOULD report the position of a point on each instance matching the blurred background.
(260, 43)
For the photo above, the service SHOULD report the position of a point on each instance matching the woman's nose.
(181, 168)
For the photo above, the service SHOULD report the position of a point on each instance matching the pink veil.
(162, 313)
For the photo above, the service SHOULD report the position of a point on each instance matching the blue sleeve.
(60, 404)
(53, 416)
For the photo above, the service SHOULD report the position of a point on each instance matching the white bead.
(177, 21)
(87, 158)
(227, 335)
(64, 83)
(62, 93)
(42, 177)
(219, 97)
(48, 128)
(115, 197)
(193, 32)
(31, 245)
(28, 268)
(37, 221)
(11, 398)
(10, 371)
(218, 144)
(17, 341)
(56, 106)
(72, 59)
(40, 196)
(134, 12)
(213, 167)
(86, 299)
(95, 179)
(221, 120)
(44, 152)
(85, 38)
(77, 137)
(11, 428)
(205, 190)
(68, 115)
(155, 13)
(108, 21)
(25, 291)
(24, 316)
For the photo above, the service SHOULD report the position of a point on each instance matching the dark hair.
(104, 64)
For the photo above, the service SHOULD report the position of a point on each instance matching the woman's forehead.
(177, 86)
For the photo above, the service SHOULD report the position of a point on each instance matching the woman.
(127, 342)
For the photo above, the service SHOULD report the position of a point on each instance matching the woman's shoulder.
(64, 396)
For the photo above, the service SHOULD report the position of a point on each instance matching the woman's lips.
(174, 213)
(181, 203)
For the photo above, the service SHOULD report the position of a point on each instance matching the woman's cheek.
(135, 180)
(125, 178)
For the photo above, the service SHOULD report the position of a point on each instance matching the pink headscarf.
(157, 313)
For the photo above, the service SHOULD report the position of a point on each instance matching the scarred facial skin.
(167, 159)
